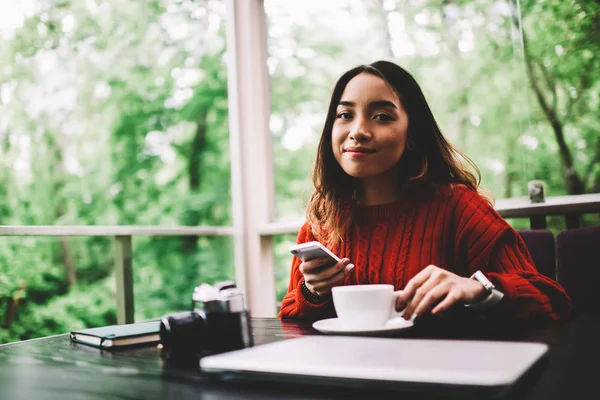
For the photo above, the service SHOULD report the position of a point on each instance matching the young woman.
(392, 195)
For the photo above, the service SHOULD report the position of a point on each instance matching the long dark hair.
(429, 159)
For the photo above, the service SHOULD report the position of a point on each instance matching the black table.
(55, 368)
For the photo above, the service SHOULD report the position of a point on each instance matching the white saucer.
(333, 326)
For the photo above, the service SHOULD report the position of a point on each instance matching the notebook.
(383, 360)
(118, 335)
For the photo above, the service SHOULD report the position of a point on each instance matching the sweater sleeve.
(486, 242)
(294, 304)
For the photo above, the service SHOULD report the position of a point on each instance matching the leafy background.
(114, 112)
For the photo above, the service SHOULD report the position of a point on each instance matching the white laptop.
(415, 361)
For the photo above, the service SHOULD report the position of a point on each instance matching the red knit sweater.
(454, 229)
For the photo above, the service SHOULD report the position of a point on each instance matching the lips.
(365, 150)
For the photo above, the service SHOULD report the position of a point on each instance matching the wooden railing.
(571, 207)
(123, 249)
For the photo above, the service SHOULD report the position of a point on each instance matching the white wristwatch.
(494, 294)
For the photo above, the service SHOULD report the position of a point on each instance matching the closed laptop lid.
(452, 362)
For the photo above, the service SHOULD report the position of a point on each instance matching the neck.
(381, 189)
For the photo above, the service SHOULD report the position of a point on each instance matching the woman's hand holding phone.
(321, 269)
(320, 276)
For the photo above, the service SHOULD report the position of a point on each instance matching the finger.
(434, 295)
(324, 287)
(435, 277)
(420, 293)
(453, 297)
(318, 283)
(307, 267)
(324, 273)
(413, 285)
(399, 304)
(327, 272)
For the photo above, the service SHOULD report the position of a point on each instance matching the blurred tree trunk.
(11, 310)
(565, 85)
(573, 182)
(68, 260)
(57, 152)
(198, 144)
(13, 304)
(509, 176)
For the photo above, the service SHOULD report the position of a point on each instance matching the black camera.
(218, 323)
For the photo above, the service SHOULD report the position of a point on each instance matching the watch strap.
(493, 297)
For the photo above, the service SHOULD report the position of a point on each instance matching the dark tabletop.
(56, 368)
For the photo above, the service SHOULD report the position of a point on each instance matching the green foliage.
(115, 112)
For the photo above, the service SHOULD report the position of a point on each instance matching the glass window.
(467, 57)
(117, 111)
(114, 112)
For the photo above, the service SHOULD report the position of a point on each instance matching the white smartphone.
(311, 250)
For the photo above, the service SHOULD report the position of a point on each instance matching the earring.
(410, 144)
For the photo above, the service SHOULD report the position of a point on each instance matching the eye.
(383, 117)
(344, 115)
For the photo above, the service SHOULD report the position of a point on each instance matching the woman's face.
(370, 128)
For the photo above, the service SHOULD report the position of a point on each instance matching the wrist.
(490, 297)
(482, 292)
(310, 296)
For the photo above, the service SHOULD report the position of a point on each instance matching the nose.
(360, 132)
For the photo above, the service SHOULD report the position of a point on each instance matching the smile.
(359, 152)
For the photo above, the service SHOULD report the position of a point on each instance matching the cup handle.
(396, 314)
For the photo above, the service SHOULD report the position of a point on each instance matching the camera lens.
(182, 331)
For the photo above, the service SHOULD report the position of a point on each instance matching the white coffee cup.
(365, 306)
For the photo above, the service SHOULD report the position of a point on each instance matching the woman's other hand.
(435, 285)
(321, 277)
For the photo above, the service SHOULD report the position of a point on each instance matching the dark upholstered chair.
(578, 256)
(541, 246)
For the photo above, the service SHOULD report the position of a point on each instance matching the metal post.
(124, 278)
(573, 220)
(538, 222)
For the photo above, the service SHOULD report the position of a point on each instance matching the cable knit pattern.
(404, 246)
(454, 229)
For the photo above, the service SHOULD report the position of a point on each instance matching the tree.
(561, 56)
